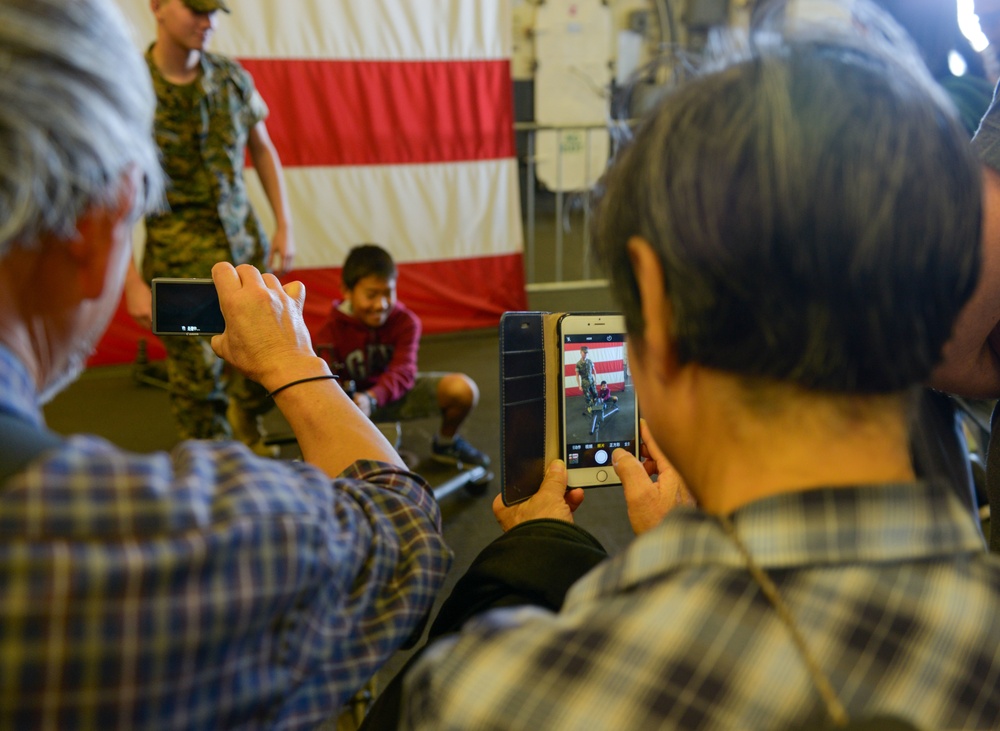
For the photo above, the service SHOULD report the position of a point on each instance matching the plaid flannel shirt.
(890, 586)
(204, 589)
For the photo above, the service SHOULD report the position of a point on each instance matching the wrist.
(306, 367)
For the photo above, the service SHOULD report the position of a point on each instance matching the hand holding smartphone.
(597, 405)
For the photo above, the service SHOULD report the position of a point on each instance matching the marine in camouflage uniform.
(586, 372)
(202, 129)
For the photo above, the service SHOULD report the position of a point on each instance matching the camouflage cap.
(206, 6)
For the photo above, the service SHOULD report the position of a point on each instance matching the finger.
(297, 291)
(250, 275)
(270, 280)
(555, 478)
(574, 498)
(631, 472)
(225, 277)
(506, 515)
(498, 506)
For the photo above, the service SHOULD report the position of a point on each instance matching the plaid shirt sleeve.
(889, 585)
(204, 589)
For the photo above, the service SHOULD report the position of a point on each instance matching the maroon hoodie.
(380, 360)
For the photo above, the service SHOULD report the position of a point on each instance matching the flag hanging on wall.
(394, 124)
(609, 365)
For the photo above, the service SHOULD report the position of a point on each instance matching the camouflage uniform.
(586, 372)
(201, 129)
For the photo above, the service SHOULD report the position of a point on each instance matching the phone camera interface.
(599, 398)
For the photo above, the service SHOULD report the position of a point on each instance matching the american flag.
(394, 123)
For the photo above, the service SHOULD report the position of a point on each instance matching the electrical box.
(574, 63)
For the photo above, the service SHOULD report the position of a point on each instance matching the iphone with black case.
(597, 400)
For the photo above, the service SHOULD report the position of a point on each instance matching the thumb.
(629, 470)
(555, 479)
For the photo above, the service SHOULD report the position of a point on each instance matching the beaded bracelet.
(278, 390)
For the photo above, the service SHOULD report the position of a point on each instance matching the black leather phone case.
(529, 426)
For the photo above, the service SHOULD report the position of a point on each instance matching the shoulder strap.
(20, 442)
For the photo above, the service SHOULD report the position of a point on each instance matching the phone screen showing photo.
(598, 405)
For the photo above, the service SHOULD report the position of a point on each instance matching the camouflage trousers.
(201, 387)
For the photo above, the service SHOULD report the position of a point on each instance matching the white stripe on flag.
(419, 212)
(353, 29)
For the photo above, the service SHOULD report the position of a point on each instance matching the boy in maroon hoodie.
(371, 342)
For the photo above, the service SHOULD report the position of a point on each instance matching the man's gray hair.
(76, 114)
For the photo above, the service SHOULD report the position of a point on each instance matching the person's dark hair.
(365, 260)
(816, 208)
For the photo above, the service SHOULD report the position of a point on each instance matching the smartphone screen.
(599, 411)
(186, 307)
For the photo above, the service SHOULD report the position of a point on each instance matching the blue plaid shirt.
(202, 589)
(890, 586)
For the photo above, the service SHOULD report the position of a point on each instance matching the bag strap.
(21, 442)
(836, 712)
(834, 708)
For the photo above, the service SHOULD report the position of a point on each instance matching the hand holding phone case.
(532, 386)
(529, 410)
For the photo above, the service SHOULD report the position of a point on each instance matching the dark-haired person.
(791, 236)
(604, 396)
(372, 340)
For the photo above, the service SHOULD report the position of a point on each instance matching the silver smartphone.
(186, 307)
(599, 412)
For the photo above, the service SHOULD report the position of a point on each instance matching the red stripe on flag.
(602, 368)
(326, 113)
(605, 367)
(450, 295)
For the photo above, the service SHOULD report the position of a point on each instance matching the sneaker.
(459, 452)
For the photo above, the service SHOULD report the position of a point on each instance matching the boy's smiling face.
(372, 299)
